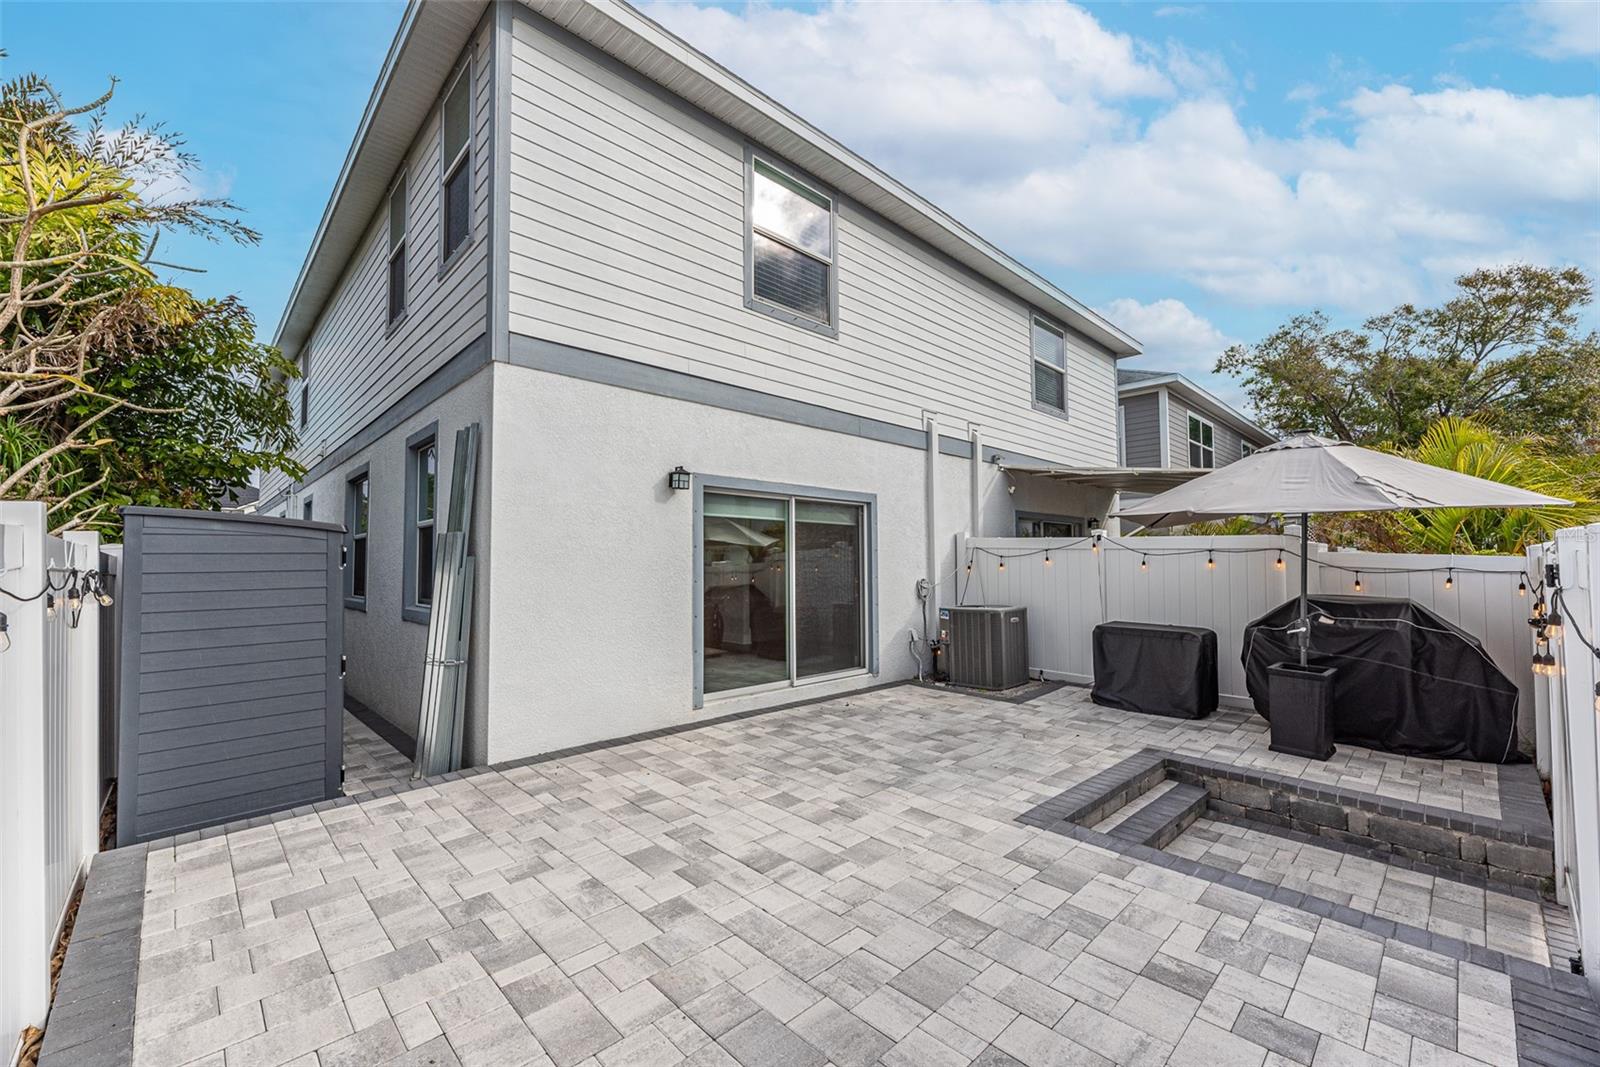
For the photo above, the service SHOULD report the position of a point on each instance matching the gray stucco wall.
(231, 700)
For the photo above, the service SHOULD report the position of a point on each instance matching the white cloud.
(1563, 29)
(1173, 336)
(1089, 150)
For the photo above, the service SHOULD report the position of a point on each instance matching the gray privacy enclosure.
(230, 695)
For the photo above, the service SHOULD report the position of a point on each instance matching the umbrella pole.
(1305, 610)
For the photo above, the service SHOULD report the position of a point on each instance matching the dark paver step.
(1163, 819)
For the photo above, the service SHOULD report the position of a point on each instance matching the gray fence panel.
(230, 691)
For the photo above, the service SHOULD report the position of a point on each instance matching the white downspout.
(931, 503)
(975, 521)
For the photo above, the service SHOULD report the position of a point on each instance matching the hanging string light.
(1002, 563)
(1144, 563)
(1279, 563)
(1211, 561)
(50, 606)
(1552, 624)
(1522, 587)
(1450, 578)
(1047, 557)
(1358, 581)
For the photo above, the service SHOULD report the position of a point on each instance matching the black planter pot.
(1300, 700)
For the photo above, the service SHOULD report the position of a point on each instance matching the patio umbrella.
(1305, 474)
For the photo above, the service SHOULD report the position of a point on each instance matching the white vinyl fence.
(1224, 583)
(1569, 705)
(49, 755)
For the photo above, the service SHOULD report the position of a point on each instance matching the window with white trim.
(1049, 365)
(397, 249)
(791, 234)
(456, 152)
(1202, 443)
(1246, 449)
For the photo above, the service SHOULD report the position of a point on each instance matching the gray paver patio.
(842, 882)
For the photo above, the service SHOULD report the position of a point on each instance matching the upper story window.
(397, 249)
(1049, 366)
(1202, 443)
(1245, 449)
(456, 142)
(792, 248)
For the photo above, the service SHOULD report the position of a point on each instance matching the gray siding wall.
(627, 238)
(1141, 429)
(359, 364)
(1226, 440)
(231, 702)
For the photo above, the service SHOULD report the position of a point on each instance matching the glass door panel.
(829, 556)
(745, 546)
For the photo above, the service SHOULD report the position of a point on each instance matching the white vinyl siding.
(363, 365)
(627, 238)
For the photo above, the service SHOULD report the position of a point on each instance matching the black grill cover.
(1159, 670)
(1408, 681)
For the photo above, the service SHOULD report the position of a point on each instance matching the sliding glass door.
(783, 585)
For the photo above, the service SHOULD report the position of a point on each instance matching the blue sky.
(1197, 171)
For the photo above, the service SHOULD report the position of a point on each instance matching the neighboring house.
(1169, 421)
(563, 224)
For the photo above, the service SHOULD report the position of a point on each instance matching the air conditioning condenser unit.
(985, 647)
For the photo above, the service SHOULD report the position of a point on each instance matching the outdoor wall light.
(678, 478)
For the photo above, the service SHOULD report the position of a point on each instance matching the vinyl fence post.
(83, 703)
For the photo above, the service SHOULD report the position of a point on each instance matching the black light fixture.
(678, 478)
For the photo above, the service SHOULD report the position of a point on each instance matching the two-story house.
(1166, 420)
(563, 224)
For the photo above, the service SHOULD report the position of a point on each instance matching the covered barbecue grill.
(1408, 681)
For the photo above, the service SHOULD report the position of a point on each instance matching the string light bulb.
(969, 566)
(1358, 581)
(1144, 563)
(1002, 563)
(1211, 561)
(1279, 563)
(50, 606)
(1450, 579)
(74, 599)
(5, 633)
(1094, 543)
(1552, 624)
(1047, 557)
(1522, 587)
(1597, 696)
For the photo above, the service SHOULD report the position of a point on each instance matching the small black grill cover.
(1159, 670)
(1408, 681)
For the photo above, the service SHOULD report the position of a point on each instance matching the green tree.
(1505, 350)
(1469, 447)
(117, 387)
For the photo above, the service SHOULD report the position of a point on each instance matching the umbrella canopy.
(1307, 474)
